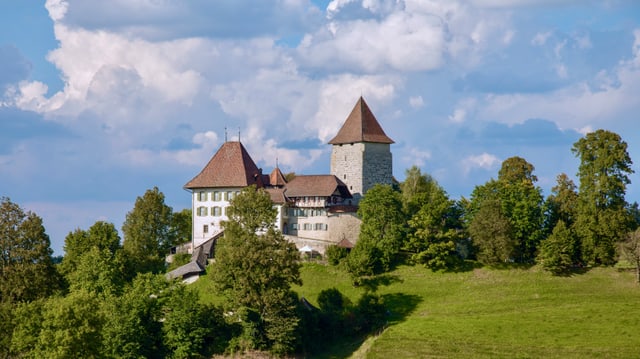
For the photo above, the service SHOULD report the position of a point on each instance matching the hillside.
(489, 313)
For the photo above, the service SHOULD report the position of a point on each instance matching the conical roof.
(231, 166)
(276, 178)
(361, 126)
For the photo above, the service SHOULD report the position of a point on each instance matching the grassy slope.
(495, 313)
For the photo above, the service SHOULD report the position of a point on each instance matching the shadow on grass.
(373, 283)
(399, 307)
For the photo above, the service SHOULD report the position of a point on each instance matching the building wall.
(362, 165)
(347, 165)
(209, 208)
(377, 165)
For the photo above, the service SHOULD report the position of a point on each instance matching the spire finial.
(225, 133)
(238, 133)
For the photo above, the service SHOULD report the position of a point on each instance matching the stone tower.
(361, 154)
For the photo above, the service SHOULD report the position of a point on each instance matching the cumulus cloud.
(484, 161)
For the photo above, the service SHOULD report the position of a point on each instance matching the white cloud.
(484, 161)
(416, 156)
(57, 9)
(541, 38)
(338, 95)
(416, 101)
(403, 41)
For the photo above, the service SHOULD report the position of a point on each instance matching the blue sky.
(100, 101)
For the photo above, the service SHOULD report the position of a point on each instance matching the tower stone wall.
(362, 165)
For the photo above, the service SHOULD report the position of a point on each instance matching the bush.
(336, 254)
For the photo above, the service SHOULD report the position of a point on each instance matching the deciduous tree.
(26, 267)
(602, 219)
(435, 231)
(147, 233)
(254, 269)
(490, 231)
(631, 250)
(559, 252)
(382, 229)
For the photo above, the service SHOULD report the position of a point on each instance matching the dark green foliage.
(381, 232)
(338, 320)
(491, 233)
(435, 229)
(191, 329)
(561, 205)
(254, 269)
(559, 252)
(514, 198)
(522, 204)
(602, 218)
(26, 267)
(181, 226)
(6, 327)
(133, 327)
(147, 233)
(335, 255)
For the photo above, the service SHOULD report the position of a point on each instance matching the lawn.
(494, 313)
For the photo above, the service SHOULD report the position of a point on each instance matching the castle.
(314, 211)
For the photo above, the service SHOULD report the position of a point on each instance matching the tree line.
(505, 220)
(108, 298)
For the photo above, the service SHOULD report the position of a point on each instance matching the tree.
(254, 269)
(191, 329)
(97, 271)
(26, 267)
(416, 190)
(101, 235)
(559, 252)
(381, 232)
(147, 233)
(71, 327)
(133, 325)
(522, 204)
(562, 202)
(181, 226)
(631, 250)
(435, 231)
(490, 231)
(601, 216)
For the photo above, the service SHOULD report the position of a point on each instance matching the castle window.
(320, 227)
(294, 226)
(202, 211)
(205, 228)
(202, 196)
(216, 196)
(344, 176)
(216, 211)
(307, 226)
(228, 196)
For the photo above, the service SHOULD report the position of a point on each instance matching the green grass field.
(491, 313)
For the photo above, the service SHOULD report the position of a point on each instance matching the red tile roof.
(277, 195)
(361, 126)
(276, 178)
(316, 185)
(231, 166)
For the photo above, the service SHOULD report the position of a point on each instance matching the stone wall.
(362, 165)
